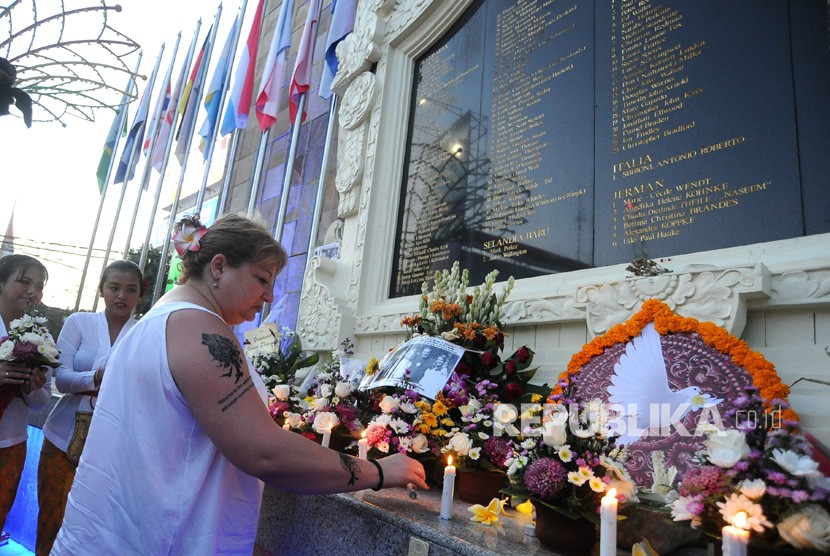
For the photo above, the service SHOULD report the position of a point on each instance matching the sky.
(48, 171)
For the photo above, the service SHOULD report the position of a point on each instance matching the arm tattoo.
(225, 354)
(350, 465)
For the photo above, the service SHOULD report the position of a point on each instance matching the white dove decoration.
(640, 386)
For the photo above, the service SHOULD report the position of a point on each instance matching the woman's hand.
(15, 374)
(37, 379)
(400, 470)
(97, 378)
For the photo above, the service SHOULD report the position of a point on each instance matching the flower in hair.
(188, 235)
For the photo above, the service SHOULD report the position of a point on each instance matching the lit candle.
(608, 524)
(735, 537)
(362, 446)
(286, 425)
(446, 493)
(326, 437)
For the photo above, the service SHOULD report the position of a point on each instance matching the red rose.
(489, 360)
(523, 354)
(513, 391)
(463, 369)
(510, 367)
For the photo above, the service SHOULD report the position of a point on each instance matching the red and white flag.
(301, 78)
(268, 98)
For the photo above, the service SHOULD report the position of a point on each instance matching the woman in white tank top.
(181, 440)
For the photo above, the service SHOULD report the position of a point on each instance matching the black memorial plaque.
(550, 136)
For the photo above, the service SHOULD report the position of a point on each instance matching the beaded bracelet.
(380, 475)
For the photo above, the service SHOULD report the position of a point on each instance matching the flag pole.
(145, 249)
(121, 117)
(226, 183)
(136, 148)
(212, 143)
(160, 278)
(260, 156)
(321, 181)
(156, 121)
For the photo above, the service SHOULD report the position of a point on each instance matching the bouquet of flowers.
(29, 343)
(481, 380)
(569, 462)
(761, 469)
(401, 420)
(330, 399)
(279, 357)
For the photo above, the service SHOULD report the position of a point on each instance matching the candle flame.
(739, 520)
(449, 460)
(363, 435)
(612, 492)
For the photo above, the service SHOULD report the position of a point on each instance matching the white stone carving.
(350, 163)
(802, 286)
(357, 101)
(322, 322)
(713, 295)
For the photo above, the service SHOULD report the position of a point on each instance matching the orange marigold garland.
(667, 322)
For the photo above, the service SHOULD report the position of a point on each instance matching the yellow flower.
(596, 484)
(372, 366)
(488, 515)
(448, 422)
(525, 507)
(535, 398)
(439, 432)
(439, 408)
(422, 405)
(430, 420)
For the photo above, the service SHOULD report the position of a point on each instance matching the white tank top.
(150, 481)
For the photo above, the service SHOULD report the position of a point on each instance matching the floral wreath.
(188, 232)
(665, 322)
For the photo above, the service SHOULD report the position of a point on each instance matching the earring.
(216, 284)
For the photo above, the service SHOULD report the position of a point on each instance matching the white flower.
(325, 421)
(596, 484)
(800, 466)
(475, 453)
(528, 444)
(483, 436)
(469, 411)
(320, 404)
(680, 511)
(556, 431)
(383, 447)
(564, 453)
(325, 390)
(753, 489)
(294, 419)
(808, 528)
(516, 463)
(420, 444)
(726, 448)
(460, 443)
(449, 335)
(755, 518)
(389, 403)
(399, 426)
(408, 407)
(6, 350)
(281, 391)
(576, 478)
(343, 389)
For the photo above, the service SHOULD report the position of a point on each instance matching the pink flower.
(188, 237)
(523, 354)
(545, 477)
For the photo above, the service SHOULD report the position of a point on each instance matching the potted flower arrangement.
(278, 358)
(761, 469)
(564, 468)
(481, 379)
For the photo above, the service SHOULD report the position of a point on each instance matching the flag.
(342, 23)
(301, 78)
(169, 115)
(162, 102)
(7, 247)
(132, 147)
(239, 103)
(268, 98)
(213, 95)
(189, 101)
(109, 144)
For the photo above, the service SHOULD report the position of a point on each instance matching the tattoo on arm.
(350, 465)
(225, 354)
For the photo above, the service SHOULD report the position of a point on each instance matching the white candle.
(446, 493)
(608, 524)
(326, 437)
(286, 425)
(735, 537)
(362, 446)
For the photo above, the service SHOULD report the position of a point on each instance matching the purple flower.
(800, 496)
(497, 451)
(24, 350)
(709, 480)
(546, 477)
(777, 477)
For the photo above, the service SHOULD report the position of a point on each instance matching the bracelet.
(380, 474)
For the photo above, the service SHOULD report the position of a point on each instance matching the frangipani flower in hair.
(188, 234)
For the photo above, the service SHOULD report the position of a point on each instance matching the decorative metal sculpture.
(53, 64)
